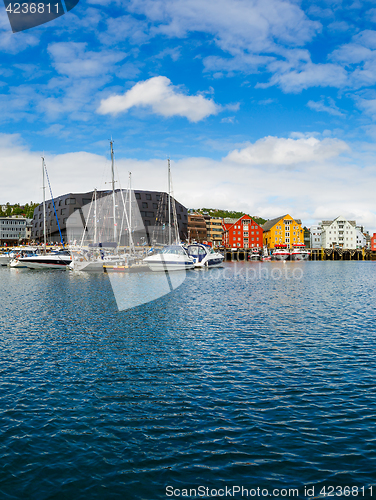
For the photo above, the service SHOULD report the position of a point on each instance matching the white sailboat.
(174, 256)
(94, 256)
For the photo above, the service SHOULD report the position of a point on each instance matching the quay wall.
(242, 254)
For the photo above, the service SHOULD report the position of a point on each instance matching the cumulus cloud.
(281, 151)
(163, 98)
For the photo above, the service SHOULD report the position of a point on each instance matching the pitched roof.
(270, 223)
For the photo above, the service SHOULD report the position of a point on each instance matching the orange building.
(242, 233)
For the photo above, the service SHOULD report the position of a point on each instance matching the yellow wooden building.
(283, 230)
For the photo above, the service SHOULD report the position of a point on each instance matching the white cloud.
(323, 186)
(281, 151)
(71, 59)
(330, 107)
(163, 98)
(236, 25)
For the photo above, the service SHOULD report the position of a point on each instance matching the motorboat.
(254, 255)
(281, 252)
(300, 252)
(265, 255)
(16, 257)
(170, 258)
(204, 256)
(59, 259)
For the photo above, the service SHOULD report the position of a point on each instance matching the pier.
(242, 254)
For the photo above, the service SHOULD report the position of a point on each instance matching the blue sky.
(266, 106)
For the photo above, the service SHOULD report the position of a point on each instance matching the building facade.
(197, 230)
(373, 242)
(283, 230)
(339, 233)
(242, 233)
(214, 230)
(13, 230)
(153, 207)
(315, 241)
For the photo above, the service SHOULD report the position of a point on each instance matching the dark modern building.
(153, 206)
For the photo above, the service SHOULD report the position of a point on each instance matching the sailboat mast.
(44, 207)
(95, 215)
(169, 202)
(113, 189)
(130, 206)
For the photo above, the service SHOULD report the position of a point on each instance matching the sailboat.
(93, 256)
(58, 259)
(174, 256)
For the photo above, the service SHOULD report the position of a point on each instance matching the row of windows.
(11, 222)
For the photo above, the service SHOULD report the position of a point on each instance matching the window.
(238, 232)
(63, 211)
(85, 201)
(138, 196)
(144, 204)
(70, 201)
(149, 214)
(158, 197)
(155, 205)
(65, 220)
(148, 196)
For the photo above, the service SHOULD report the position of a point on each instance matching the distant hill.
(6, 209)
(228, 213)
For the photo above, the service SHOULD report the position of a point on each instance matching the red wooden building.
(242, 233)
(373, 242)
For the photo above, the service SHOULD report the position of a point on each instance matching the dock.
(242, 254)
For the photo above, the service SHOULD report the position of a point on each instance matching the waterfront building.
(214, 230)
(373, 242)
(13, 230)
(243, 233)
(151, 204)
(361, 239)
(197, 228)
(339, 233)
(315, 241)
(283, 230)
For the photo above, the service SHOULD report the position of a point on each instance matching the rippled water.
(257, 375)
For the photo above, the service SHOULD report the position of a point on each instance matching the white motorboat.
(170, 258)
(204, 256)
(300, 252)
(16, 257)
(54, 260)
(281, 252)
(255, 254)
(265, 255)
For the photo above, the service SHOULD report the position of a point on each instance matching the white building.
(315, 236)
(339, 233)
(361, 239)
(12, 229)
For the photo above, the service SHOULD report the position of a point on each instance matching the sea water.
(258, 379)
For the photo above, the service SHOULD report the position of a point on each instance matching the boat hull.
(46, 262)
(169, 266)
(300, 256)
(281, 256)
